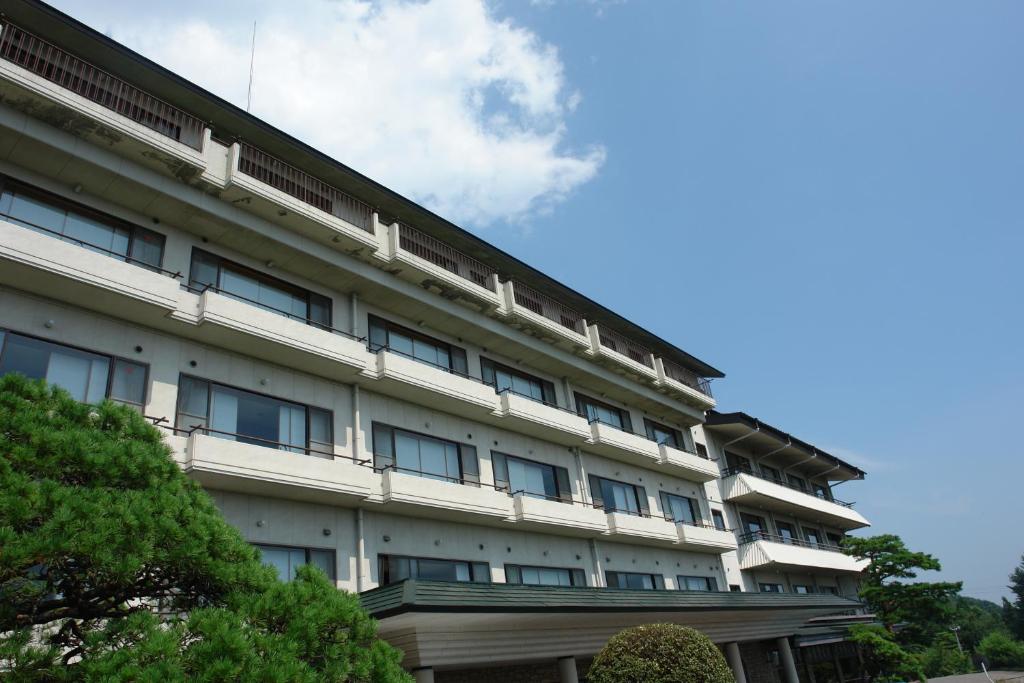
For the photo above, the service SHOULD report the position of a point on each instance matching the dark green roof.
(450, 596)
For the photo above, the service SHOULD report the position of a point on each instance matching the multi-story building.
(508, 472)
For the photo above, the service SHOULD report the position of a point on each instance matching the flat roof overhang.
(230, 122)
(784, 449)
(456, 625)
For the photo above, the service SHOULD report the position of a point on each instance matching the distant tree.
(884, 658)
(945, 658)
(922, 608)
(659, 653)
(975, 619)
(1014, 611)
(1000, 650)
(114, 566)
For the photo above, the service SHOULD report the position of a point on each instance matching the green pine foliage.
(660, 653)
(1001, 651)
(114, 566)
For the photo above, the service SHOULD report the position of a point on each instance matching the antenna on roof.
(252, 61)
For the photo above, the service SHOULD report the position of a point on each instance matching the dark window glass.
(813, 536)
(733, 588)
(753, 524)
(596, 411)
(680, 508)
(719, 519)
(785, 532)
(88, 377)
(50, 214)
(403, 341)
(664, 434)
(239, 415)
(634, 581)
(702, 451)
(771, 473)
(770, 587)
(424, 456)
(504, 378)
(822, 491)
(287, 560)
(617, 496)
(397, 568)
(251, 286)
(834, 539)
(796, 482)
(830, 590)
(737, 462)
(518, 475)
(697, 583)
(544, 576)
(802, 589)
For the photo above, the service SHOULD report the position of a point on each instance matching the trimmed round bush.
(660, 653)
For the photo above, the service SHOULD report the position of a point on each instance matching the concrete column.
(567, 670)
(732, 655)
(424, 675)
(786, 657)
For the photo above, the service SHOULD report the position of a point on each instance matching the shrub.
(660, 653)
(1000, 650)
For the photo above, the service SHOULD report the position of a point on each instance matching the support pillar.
(732, 655)
(424, 675)
(786, 657)
(567, 670)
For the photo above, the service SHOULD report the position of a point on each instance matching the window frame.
(209, 403)
(650, 426)
(473, 566)
(582, 400)
(460, 448)
(247, 271)
(717, 515)
(389, 326)
(308, 549)
(575, 573)
(560, 495)
(112, 360)
(770, 588)
(698, 518)
(640, 493)
(66, 205)
(547, 387)
(657, 580)
(710, 582)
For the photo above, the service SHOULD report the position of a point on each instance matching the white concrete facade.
(341, 499)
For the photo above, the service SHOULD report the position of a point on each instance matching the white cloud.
(440, 100)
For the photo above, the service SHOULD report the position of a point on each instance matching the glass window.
(664, 434)
(50, 214)
(829, 590)
(617, 496)
(406, 342)
(737, 463)
(680, 508)
(813, 536)
(834, 539)
(822, 491)
(702, 451)
(544, 576)
(802, 589)
(719, 519)
(540, 480)
(504, 378)
(771, 473)
(796, 482)
(634, 581)
(770, 587)
(244, 416)
(596, 411)
(785, 532)
(84, 375)
(754, 525)
(251, 286)
(287, 560)
(697, 583)
(424, 456)
(397, 568)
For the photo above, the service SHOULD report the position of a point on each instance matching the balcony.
(233, 322)
(544, 421)
(281, 193)
(38, 260)
(620, 445)
(768, 551)
(418, 381)
(622, 355)
(46, 82)
(687, 465)
(434, 265)
(259, 467)
(410, 493)
(642, 529)
(683, 383)
(750, 489)
(543, 317)
(705, 537)
(566, 518)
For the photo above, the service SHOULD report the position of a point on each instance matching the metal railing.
(174, 275)
(437, 252)
(752, 536)
(543, 496)
(728, 472)
(510, 390)
(611, 339)
(195, 289)
(374, 348)
(304, 187)
(700, 523)
(44, 59)
(438, 477)
(545, 306)
(253, 440)
(687, 377)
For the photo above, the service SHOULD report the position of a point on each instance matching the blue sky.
(823, 199)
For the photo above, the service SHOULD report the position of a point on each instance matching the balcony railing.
(627, 347)
(687, 377)
(374, 348)
(437, 252)
(254, 441)
(753, 536)
(545, 306)
(796, 487)
(304, 187)
(71, 73)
